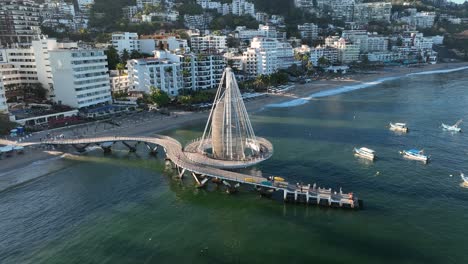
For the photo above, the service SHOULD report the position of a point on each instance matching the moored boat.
(464, 178)
(366, 153)
(415, 154)
(454, 128)
(400, 127)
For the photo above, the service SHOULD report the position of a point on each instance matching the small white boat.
(464, 178)
(415, 154)
(400, 127)
(365, 153)
(454, 128)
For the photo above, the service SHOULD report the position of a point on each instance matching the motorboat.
(415, 154)
(454, 128)
(366, 153)
(400, 127)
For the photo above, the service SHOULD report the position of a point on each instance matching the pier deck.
(183, 163)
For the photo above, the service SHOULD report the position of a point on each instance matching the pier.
(184, 165)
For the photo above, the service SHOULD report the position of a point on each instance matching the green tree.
(125, 56)
(120, 67)
(322, 62)
(135, 54)
(112, 57)
(159, 97)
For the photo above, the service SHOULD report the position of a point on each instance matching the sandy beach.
(145, 124)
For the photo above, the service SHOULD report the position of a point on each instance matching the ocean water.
(127, 208)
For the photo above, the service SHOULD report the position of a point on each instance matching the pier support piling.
(80, 148)
(130, 147)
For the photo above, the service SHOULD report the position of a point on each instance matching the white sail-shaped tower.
(228, 139)
(228, 128)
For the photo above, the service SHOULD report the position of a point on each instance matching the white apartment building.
(208, 4)
(141, 3)
(200, 22)
(163, 73)
(265, 31)
(266, 56)
(368, 42)
(129, 41)
(306, 4)
(84, 4)
(202, 71)
(242, 7)
(308, 31)
(356, 36)
(376, 11)
(17, 67)
(420, 19)
(337, 9)
(376, 43)
(3, 104)
(417, 40)
(19, 22)
(347, 51)
(80, 77)
(170, 16)
(130, 11)
(172, 43)
(329, 53)
(208, 43)
(29, 65)
(118, 81)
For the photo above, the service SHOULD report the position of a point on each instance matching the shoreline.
(299, 94)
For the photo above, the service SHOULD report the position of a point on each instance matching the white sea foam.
(438, 71)
(350, 88)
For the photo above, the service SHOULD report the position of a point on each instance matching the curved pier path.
(183, 162)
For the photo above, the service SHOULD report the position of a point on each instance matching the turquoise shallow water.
(123, 208)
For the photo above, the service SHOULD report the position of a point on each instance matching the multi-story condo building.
(368, 42)
(130, 11)
(200, 22)
(356, 36)
(202, 71)
(208, 43)
(80, 77)
(329, 53)
(242, 7)
(27, 66)
(376, 11)
(118, 81)
(168, 42)
(265, 31)
(376, 43)
(337, 9)
(84, 4)
(19, 22)
(420, 19)
(308, 31)
(208, 4)
(262, 17)
(141, 3)
(129, 41)
(172, 72)
(163, 72)
(306, 4)
(266, 56)
(18, 67)
(347, 50)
